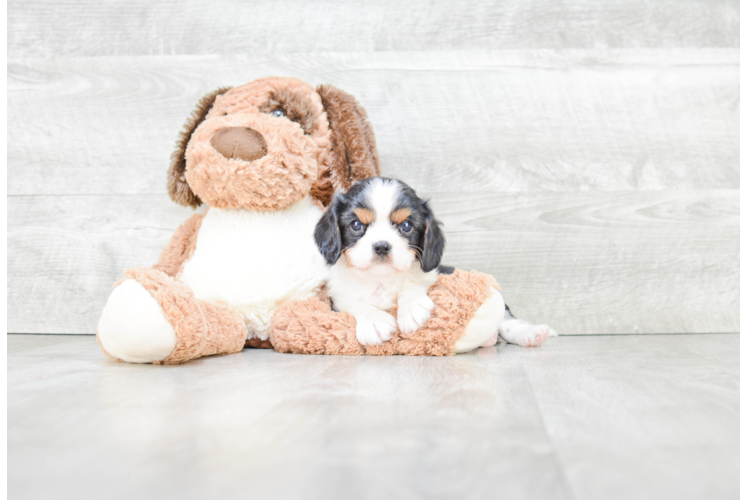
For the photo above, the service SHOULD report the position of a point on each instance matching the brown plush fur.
(256, 343)
(202, 328)
(177, 186)
(355, 149)
(180, 247)
(328, 144)
(311, 327)
(282, 177)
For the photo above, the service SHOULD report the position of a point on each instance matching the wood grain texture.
(584, 152)
(642, 417)
(506, 121)
(585, 262)
(139, 27)
(581, 418)
(66, 253)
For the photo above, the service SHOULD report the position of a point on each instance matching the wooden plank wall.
(585, 153)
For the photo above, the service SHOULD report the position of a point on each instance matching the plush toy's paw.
(133, 327)
(375, 327)
(152, 318)
(525, 334)
(412, 314)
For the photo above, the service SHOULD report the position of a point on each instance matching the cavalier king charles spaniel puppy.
(384, 247)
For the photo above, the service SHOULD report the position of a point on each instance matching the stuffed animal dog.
(265, 157)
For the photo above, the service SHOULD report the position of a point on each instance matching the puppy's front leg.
(373, 326)
(413, 309)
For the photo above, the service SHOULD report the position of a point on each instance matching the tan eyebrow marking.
(365, 215)
(399, 215)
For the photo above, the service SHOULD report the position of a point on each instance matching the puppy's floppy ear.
(178, 188)
(432, 243)
(327, 233)
(354, 149)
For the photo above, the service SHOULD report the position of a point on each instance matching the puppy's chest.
(384, 296)
(349, 290)
(256, 261)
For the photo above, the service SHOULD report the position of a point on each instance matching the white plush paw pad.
(375, 328)
(133, 327)
(413, 314)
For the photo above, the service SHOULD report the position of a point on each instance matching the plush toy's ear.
(354, 149)
(178, 188)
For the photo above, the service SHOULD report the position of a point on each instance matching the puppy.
(384, 247)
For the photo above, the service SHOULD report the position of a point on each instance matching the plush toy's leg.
(152, 318)
(520, 332)
(468, 310)
(483, 329)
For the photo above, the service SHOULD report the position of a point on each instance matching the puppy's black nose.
(382, 248)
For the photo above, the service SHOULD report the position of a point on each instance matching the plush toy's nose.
(240, 142)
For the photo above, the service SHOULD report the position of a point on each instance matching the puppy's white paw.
(375, 327)
(536, 336)
(412, 314)
(525, 334)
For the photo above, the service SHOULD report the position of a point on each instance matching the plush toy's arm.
(468, 310)
(180, 247)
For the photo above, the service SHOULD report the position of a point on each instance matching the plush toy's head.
(270, 143)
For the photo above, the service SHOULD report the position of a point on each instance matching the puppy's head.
(380, 226)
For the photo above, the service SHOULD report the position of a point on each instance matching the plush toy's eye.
(406, 226)
(357, 226)
(278, 113)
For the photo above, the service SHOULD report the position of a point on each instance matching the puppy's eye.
(356, 225)
(278, 113)
(406, 226)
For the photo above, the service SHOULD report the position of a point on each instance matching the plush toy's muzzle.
(251, 160)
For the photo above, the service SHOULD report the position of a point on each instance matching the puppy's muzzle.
(382, 248)
(242, 143)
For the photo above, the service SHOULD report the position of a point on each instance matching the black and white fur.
(377, 263)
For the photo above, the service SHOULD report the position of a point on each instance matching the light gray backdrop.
(584, 152)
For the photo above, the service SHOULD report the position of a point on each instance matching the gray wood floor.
(585, 153)
(583, 417)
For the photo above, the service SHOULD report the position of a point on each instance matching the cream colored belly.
(256, 261)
